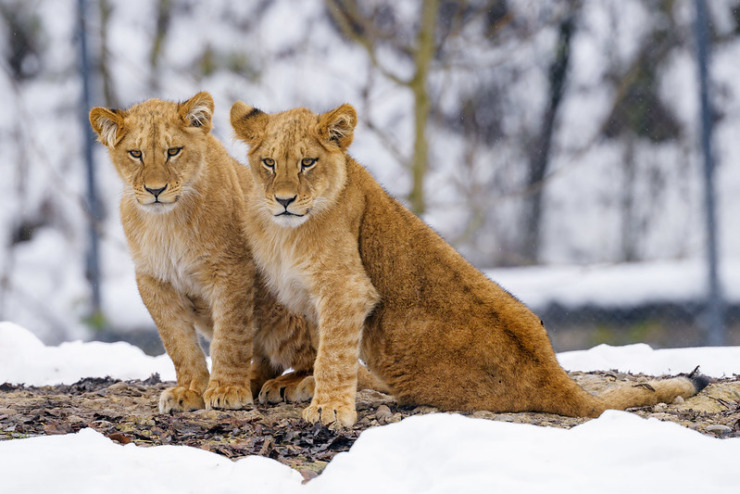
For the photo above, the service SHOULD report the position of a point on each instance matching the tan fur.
(193, 264)
(381, 284)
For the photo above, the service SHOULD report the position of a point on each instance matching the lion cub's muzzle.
(157, 195)
(287, 216)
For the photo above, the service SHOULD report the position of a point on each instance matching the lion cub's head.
(158, 147)
(297, 158)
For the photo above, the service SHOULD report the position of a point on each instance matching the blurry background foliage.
(529, 134)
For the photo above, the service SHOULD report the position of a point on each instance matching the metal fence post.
(93, 257)
(714, 316)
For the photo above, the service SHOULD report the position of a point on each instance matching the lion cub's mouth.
(288, 213)
(157, 199)
(158, 204)
(288, 219)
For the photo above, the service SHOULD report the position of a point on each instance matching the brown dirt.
(126, 411)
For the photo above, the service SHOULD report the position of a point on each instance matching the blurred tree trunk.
(540, 156)
(630, 223)
(164, 16)
(21, 44)
(423, 58)
(103, 63)
(358, 27)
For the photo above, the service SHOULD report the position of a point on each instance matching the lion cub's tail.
(652, 392)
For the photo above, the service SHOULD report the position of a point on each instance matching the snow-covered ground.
(438, 453)
(616, 285)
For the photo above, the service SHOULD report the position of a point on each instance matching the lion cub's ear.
(249, 122)
(197, 111)
(338, 125)
(108, 124)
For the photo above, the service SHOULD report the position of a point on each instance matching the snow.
(289, 55)
(88, 462)
(713, 361)
(25, 359)
(615, 285)
(438, 453)
(452, 453)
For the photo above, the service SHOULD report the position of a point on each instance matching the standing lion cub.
(333, 245)
(183, 212)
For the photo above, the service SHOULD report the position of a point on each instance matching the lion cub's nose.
(285, 202)
(155, 192)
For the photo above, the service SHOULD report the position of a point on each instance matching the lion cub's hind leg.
(368, 380)
(299, 386)
(296, 386)
(282, 341)
(262, 371)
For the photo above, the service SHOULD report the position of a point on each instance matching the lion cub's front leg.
(232, 343)
(344, 302)
(171, 313)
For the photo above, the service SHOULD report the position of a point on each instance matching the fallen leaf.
(119, 438)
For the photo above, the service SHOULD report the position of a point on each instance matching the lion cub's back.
(405, 258)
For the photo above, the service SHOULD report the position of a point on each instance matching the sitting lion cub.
(381, 284)
(183, 212)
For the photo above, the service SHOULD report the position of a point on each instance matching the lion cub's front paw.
(290, 388)
(180, 399)
(229, 397)
(331, 414)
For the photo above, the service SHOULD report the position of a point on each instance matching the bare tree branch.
(344, 14)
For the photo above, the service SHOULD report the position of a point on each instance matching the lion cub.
(381, 284)
(183, 211)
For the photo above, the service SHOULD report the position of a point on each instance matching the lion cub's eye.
(269, 163)
(307, 163)
(135, 153)
(173, 151)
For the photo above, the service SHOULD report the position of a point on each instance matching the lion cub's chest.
(286, 278)
(164, 254)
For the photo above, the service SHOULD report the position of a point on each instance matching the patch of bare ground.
(126, 412)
